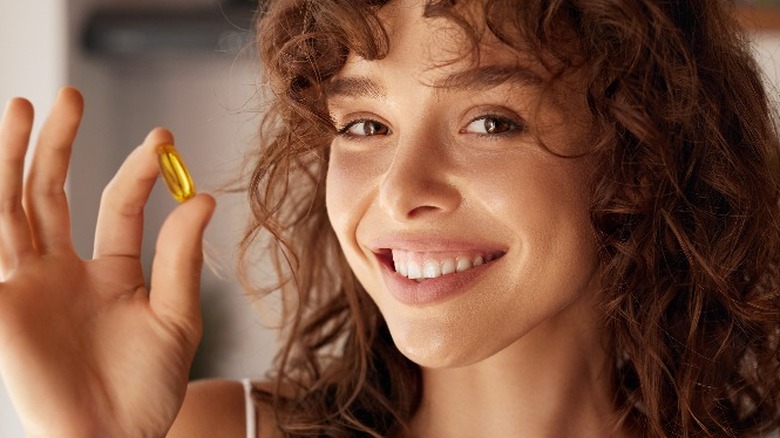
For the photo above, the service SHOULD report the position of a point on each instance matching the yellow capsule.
(175, 173)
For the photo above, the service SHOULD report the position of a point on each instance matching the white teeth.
(463, 264)
(447, 266)
(413, 271)
(432, 268)
(400, 268)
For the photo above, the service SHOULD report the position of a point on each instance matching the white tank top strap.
(251, 418)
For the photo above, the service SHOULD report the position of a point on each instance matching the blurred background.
(188, 65)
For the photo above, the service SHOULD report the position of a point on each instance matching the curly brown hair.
(685, 206)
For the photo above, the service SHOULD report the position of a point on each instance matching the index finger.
(119, 229)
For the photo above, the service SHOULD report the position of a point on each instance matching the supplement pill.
(175, 173)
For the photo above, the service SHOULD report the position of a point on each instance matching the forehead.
(442, 52)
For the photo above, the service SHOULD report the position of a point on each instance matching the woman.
(496, 218)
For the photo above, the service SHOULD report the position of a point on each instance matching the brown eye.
(365, 128)
(492, 125)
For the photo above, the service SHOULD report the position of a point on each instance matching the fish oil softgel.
(175, 173)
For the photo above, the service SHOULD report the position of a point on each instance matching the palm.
(84, 347)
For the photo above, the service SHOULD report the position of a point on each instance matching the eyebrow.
(354, 86)
(476, 79)
(490, 76)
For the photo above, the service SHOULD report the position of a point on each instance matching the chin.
(431, 347)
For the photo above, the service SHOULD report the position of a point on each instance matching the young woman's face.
(465, 230)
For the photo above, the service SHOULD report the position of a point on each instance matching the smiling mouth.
(425, 266)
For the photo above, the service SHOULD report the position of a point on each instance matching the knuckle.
(46, 189)
(10, 205)
(112, 200)
(44, 185)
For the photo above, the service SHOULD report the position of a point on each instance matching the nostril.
(421, 211)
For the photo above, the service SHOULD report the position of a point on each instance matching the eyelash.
(514, 126)
(344, 130)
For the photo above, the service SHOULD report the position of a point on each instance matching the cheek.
(337, 188)
(544, 206)
(348, 189)
(533, 195)
(349, 192)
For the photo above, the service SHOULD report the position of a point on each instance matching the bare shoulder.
(211, 408)
(216, 407)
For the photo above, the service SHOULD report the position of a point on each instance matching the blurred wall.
(767, 48)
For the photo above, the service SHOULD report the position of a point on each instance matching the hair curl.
(685, 206)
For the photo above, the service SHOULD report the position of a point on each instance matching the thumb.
(175, 282)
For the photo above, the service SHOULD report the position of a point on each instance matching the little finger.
(15, 129)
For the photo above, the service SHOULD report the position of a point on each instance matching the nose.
(420, 181)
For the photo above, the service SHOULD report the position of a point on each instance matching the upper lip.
(431, 244)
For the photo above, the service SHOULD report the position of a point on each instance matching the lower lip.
(431, 290)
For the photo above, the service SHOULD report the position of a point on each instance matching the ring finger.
(44, 194)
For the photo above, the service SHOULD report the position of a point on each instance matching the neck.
(553, 382)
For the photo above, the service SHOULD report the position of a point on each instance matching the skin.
(516, 350)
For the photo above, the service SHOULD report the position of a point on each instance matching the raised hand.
(86, 348)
